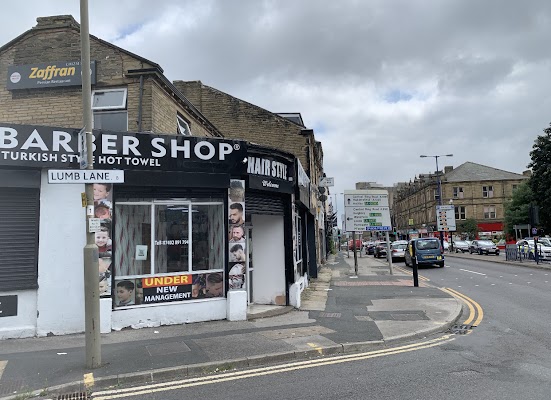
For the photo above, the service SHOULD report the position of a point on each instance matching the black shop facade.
(181, 223)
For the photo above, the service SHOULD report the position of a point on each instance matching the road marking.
(89, 380)
(472, 272)
(316, 347)
(410, 273)
(2, 367)
(231, 376)
(470, 303)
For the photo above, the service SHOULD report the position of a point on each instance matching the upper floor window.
(487, 191)
(457, 192)
(460, 212)
(183, 126)
(109, 108)
(515, 187)
(490, 212)
(435, 194)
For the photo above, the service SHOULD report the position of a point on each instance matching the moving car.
(398, 250)
(370, 248)
(424, 251)
(461, 246)
(483, 247)
(380, 249)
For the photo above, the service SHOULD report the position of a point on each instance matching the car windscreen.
(427, 244)
(460, 243)
(485, 243)
(400, 246)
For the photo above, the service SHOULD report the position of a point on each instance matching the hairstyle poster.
(237, 256)
(103, 209)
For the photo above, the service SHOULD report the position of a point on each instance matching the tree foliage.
(517, 210)
(468, 228)
(540, 181)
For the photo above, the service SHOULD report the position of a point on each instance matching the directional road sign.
(445, 218)
(366, 210)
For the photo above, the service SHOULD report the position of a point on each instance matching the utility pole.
(91, 268)
(439, 188)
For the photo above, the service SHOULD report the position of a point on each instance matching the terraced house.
(476, 191)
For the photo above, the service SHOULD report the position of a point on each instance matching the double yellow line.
(236, 375)
(475, 311)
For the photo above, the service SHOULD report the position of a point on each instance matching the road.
(507, 356)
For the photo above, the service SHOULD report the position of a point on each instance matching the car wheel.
(497, 253)
(441, 264)
(480, 252)
(530, 256)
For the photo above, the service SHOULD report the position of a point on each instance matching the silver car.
(397, 250)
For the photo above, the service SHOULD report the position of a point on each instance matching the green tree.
(517, 210)
(540, 181)
(469, 227)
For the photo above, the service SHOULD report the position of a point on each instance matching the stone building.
(238, 119)
(175, 234)
(476, 191)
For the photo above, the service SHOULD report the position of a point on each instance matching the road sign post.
(367, 210)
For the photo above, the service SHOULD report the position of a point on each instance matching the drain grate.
(72, 396)
(461, 329)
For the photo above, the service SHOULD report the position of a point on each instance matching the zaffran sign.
(366, 210)
(40, 146)
(53, 74)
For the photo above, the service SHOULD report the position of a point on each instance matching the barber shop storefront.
(164, 236)
(269, 193)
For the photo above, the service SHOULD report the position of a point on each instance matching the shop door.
(269, 260)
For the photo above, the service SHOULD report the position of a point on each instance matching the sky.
(381, 82)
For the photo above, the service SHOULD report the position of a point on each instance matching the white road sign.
(82, 149)
(445, 218)
(366, 210)
(85, 176)
(327, 182)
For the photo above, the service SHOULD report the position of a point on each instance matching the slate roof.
(470, 171)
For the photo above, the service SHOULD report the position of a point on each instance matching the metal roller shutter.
(19, 210)
(261, 203)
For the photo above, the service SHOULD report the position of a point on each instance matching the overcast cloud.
(380, 81)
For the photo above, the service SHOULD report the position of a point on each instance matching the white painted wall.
(60, 296)
(24, 323)
(268, 258)
(169, 314)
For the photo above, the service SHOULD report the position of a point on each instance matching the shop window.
(183, 126)
(460, 212)
(487, 191)
(109, 109)
(457, 192)
(177, 237)
(490, 212)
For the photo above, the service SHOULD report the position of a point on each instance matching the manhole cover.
(72, 396)
(461, 329)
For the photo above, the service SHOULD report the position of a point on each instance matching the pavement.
(341, 312)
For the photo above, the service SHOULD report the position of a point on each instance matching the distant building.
(477, 191)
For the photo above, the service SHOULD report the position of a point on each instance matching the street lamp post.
(451, 233)
(439, 186)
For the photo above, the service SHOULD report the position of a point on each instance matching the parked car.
(380, 249)
(544, 251)
(483, 247)
(461, 246)
(398, 249)
(426, 251)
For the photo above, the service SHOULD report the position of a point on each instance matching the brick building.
(476, 191)
(179, 223)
